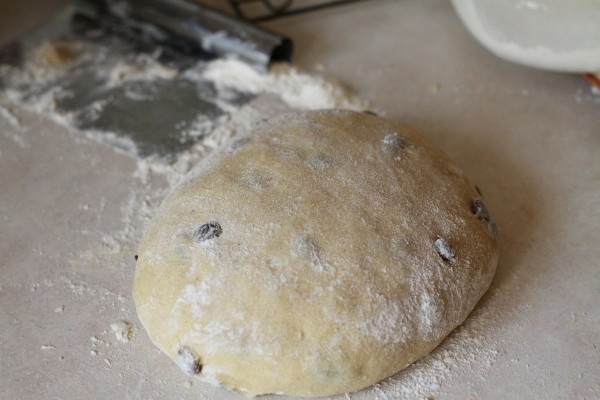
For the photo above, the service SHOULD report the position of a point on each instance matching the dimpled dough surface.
(318, 255)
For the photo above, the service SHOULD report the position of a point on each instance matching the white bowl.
(558, 35)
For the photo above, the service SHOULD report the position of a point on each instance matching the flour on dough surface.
(347, 249)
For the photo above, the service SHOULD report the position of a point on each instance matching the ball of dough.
(323, 252)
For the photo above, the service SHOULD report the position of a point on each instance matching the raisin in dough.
(318, 255)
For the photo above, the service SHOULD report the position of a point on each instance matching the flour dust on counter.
(588, 95)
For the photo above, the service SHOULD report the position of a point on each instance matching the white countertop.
(71, 212)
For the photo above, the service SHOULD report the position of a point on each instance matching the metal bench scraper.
(128, 72)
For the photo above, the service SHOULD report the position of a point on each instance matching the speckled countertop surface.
(530, 139)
